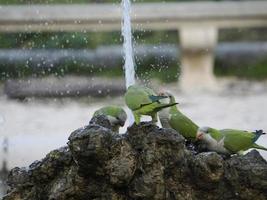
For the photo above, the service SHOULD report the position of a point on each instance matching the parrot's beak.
(121, 123)
(161, 93)
(199, 135)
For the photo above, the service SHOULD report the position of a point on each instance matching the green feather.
(256, 146)
(216, 134)
(116, 115)
(156, 98)
(113, 111)
(180, 122)
(144, 101)
(230, 140)
(237, 140)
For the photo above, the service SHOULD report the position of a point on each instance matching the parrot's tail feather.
(165, 106)
(258, 133)
(256, 146)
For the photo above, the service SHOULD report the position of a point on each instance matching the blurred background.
(51, 81)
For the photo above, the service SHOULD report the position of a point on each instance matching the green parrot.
(229, 141)
(115, 114)
(144, 101)
(173, 118)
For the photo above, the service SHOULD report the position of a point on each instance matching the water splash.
(127, 43)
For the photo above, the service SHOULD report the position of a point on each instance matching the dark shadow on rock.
(147, 162)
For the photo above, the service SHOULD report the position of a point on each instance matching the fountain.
(128, 49)
(127, 43)
(4, 168)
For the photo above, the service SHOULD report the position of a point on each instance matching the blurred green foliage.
(80, 40)
(167, 71)
(256, 71)
(243, 34)
(58, 40)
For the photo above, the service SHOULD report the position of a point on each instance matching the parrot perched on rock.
(115, 114)
(144, 101)
(229, 141)
(173, 118)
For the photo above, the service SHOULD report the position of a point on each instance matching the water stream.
(127, 43)
(128, 50)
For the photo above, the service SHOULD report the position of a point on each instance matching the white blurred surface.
(36, 127)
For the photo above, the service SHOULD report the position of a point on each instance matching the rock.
(90, 147)
(122, 165)
(34, 182)
(207, 169)
(101, 120)
(147, 162)
(19, 177)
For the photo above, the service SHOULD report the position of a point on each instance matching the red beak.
(199, 136)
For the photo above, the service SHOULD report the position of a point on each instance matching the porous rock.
(147, 162)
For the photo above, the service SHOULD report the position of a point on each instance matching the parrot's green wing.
(143, 101)
(102, 111)
(237, 140)
(152, 108)
(256, 146)
(137, 96)
(183, 125)
(177, 120)
(109, 110)
(146, 89)
(216, 134)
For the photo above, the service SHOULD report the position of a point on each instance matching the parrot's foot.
(137, 118)
(154, 119)
(240, 153)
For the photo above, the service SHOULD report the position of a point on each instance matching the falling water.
(127, 43)
(128, 49)
(3, 168)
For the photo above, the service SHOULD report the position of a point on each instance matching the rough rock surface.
(145, 163)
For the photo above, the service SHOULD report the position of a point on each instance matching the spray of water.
(128, 49)
(127, 43)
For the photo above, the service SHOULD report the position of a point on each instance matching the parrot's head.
(121, 117)
(203, 133)
(117, 116)
(167, 94)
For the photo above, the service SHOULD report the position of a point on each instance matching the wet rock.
(247, 175)
(19, 177)
(207, 169)
(90, 147)
(101, 120)
(122, 165)
(147, 162)
(35, 181)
